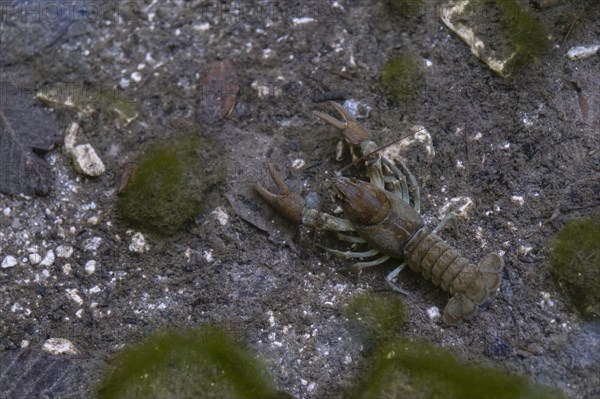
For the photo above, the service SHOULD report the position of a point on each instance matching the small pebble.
(59, 346)
(221, 215)
(48, 259)
(92, 244)
(138, 243)
(90, 266)
(35, 258)
(86, 161)
(92, 220)
(581, 52)
(298, 164)
(64, 251)
(357, 109)
(136, 77)
(124, 83)
(73, 294)
(302, 21)
(9, 261)
(518, 199)
(433, 313)
(95, 289)
(33, 249)
(6, 212)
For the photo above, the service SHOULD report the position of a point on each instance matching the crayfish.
(381, 214)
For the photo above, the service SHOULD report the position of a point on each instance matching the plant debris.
(219, 88)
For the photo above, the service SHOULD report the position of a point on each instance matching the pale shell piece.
(582, 52)
(86, 161)
(59, 346)
(138, 243)
(90, 267)
(451, 14)
(64, 251)
(35, 258)
(9, 261)
(48, 259)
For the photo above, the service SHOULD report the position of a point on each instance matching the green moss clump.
(403, 77)
(376, 318)
(200, 363)
(526, 33)
(575, 260)
(168, 184)
(405, 8)
(410, 369)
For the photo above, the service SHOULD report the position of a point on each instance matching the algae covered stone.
(526, 33)
(206, 362)
(169, 182)
(575, 259)
(414, 369)
(406, 8)
(403, 77)
(375, 318)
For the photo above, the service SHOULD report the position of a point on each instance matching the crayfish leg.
(352, 239)
(362, 265)
(392, 275)
(350, 254)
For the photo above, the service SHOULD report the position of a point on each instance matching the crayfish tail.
(491, 269)
(459, 308)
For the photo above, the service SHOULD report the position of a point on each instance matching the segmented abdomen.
(428, 254)
(470, 284)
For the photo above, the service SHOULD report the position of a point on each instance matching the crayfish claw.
(288, 202)
(353, 131)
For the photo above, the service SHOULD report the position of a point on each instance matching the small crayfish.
(381, 214)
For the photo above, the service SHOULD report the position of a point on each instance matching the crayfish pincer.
(382, 215)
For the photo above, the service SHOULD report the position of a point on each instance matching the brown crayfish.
(379, 214)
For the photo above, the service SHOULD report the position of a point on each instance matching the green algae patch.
(526, 33)
(504, 34)
(405, 8)
(402, 77)
(415, 370)
(375, 318)
(575, 260)
(200, 363)
(87, 100)
(168, 183)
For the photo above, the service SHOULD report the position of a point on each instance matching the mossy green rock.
(169, 181)
(375, 318)
(403, 77)
(410, 369)
(526, 33)
(575, 259)
(405, 8)
(201, 363)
